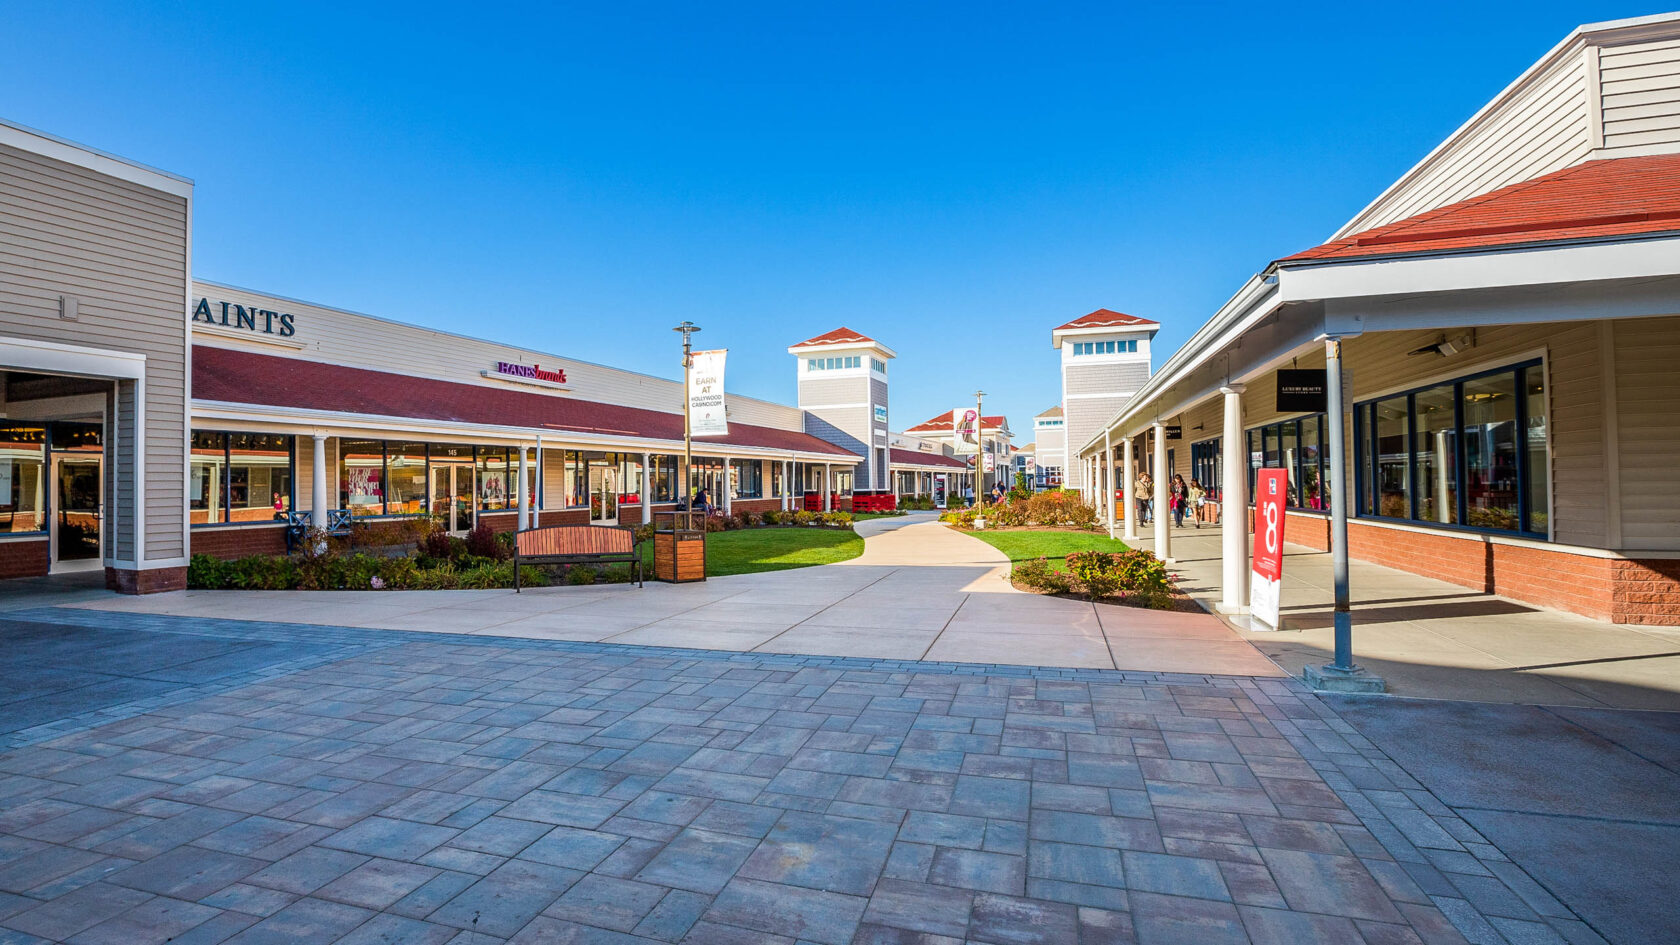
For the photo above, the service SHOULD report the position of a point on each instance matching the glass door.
(78, 497)
(452, 496)
(603, 494)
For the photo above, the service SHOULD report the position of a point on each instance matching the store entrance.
(452, 494)
(78, 496)
(603, 494)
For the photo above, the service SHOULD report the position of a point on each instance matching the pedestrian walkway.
(433, 788)
(920, 591)
(1433, 639)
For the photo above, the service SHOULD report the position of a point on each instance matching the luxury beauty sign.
(1265, 584)
(706, 408)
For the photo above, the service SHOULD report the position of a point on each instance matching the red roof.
(917, 458)
(942, 424)
(839, 336)
(1610, 197)
(1104, 318)
(222, 374)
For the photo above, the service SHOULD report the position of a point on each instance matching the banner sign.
(991, 462)
(706, 415)
(1265, 584)
(965, 430)
(939, 491)
(1301, 391)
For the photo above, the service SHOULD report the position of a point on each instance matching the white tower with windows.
(843, 392)
(1105, 360)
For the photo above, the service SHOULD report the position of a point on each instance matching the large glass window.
(746, 478)
(1205, 467)
(23, 451)
(240, 477)
(405, 473)
(494, 484)
(1469, 452)
(361, 476)
(664, 477)
(1296, 446)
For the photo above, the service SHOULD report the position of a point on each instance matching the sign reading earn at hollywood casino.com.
(1265, 584)
(707, 414)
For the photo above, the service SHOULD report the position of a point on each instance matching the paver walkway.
(398, 786)
(919, 591)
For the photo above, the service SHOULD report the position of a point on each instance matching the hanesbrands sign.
(532, 372)
(261, 321)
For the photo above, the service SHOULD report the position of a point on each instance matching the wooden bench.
(578, 544)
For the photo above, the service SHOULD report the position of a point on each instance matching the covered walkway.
(1432, 639)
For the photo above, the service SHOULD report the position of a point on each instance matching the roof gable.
(1106, 318)
(839, 336)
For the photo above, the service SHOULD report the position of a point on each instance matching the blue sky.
(954, 180)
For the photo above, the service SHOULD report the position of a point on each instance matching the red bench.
(578, 544)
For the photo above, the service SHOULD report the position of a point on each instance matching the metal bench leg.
(516, 570)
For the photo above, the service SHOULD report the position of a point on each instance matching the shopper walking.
(1180, 496)
(1198, 495)
(1145, 494)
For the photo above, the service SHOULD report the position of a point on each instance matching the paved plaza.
(497, 771)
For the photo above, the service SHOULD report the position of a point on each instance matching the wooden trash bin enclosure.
(679, 553)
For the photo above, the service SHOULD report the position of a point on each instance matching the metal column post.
(1233, 504)
(728, 471)
(524, 489)
(1342, 675)
(647, 488)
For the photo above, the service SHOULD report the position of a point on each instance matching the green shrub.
(1040, 576)
(1137, 575)
(771, 517)
(206, 573)
(802, 517)
(580, 574)
(838, 519)
(645, 532)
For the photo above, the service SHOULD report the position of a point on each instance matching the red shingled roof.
(1104, 318)
(942, 424)
(222, 374)
(905, 457)
(1610, 197)
(839, 336)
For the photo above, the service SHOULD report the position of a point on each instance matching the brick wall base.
(148, 581)
(229, 543)
(24, 558)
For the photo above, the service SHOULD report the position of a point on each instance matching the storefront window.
(631, 490)
(778, 479)
(1296, 446)
(1205, 467)
(405, 473)
(23, 450)
(208, 478)
(240, 477)
(361, 476)
(1477, 453)
(746, 478)
(664, 473)
(494, 483)
(1436, 452)
(843, 479)
(259, 476)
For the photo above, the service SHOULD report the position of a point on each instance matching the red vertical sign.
(1271, 490)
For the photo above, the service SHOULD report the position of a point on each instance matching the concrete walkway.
(920, 591)
(1437, 640)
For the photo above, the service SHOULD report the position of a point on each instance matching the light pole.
(687, 329)
(979, 452)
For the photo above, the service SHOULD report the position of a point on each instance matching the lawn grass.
(749, 550)
(860, 516)
(1054, 544)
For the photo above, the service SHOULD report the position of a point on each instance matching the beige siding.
(1541, 128)
(339, 337)
(121, 249)
(1647, 391)
(1641, 96)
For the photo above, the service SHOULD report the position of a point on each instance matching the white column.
(524, 488)
(1129, 483)
(318, 484)
(540, 495)
(828, 488)
(1233, 503)
(1108, 477)
(728, 473)
(1163, 521)
(787, 485)
(647, 488)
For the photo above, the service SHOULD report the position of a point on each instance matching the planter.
(679, 556)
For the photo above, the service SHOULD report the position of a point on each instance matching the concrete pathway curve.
(920, 591)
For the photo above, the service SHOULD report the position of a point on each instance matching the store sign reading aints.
(533, 372)
(234, 315)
